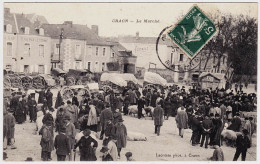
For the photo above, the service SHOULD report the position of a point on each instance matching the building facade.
(26, 48)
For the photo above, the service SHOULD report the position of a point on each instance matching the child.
(62, 145)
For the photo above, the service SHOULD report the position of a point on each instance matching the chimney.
(137, 35)
(7, 10)
(94, 28)
(68, 23)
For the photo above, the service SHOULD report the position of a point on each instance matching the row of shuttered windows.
(42, 69)
(27, 49)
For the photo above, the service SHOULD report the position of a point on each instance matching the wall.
(33, 59)
(8, 59)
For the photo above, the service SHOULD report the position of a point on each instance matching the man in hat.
(158, 117)
(62, 145)
(128, 156)
(182, 120)
(218, 127)
(49, 96)
(105, 115)
(218, 154)
(29, 159)
(59, 122)
(120, 133)
(140, 106)
(70, 133)
(9, 129)
(73, 111)
(235, 123)
(4, 156)
(47, 140)
(87, 146)
(32, 108)
(242, 143)
(109, 128)
(207, 126)
(75, 100)
(195, 127)
(106, 156)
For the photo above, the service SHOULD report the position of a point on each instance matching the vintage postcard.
(129, 81)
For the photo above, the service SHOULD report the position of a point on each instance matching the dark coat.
(120, 134)
(75, 101)
(86, 149)
(117, 116)
(109, 130)
(106, 115)
(41, 96)
(19, 113)
(182, 119)
(9, 123)
(243, 142)
(235, 124)
(62, 144)
(47, 138)
(158, 115)
(49, 96)
(108, 157)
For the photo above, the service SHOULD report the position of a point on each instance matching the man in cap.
(242, 143)
(87, 146)
(47, 140)
(106, 156)
(9, 129)
(120, 133)
(128, 156)
(105, 115)
(62, 145)
(70, 133)
(32, 108)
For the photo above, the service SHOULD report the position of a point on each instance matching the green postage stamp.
(193, 32)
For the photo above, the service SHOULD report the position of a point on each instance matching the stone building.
(26, 48)
(77, 46)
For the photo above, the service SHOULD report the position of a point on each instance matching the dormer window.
(41, 31)
(9, 28)
(26, 30)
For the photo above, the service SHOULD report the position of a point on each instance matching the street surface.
(166, 147)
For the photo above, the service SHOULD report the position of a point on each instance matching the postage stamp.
(193, 32)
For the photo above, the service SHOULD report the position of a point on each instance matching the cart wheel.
(106, 88)
(16, 82)
(66, 93)
(7, 83)
(38, 82)
(26, 82)
(79, 82)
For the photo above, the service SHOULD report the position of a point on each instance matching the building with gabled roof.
(26, 48)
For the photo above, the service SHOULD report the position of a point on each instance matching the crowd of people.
(205, 112)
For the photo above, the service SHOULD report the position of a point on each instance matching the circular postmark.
(186, 66)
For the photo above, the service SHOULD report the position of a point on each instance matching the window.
(89, 66)
(103, 67)
(27, 49)
(26, 30)
(9, 49)
(104, 51)
(78, 49)
(57, 48)
(96, 67)
(41, 31)
(41, 50)
(26, 69)
(112, 55)
(181, 57)
(9, 28)
(96, 51)
(41, 69)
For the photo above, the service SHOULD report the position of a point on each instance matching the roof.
(145, 40)
(216, 75)
(74, 31)
(80, 70)
(33, 17)
(120, 50)
(22, 21)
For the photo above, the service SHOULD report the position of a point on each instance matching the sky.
(105, 15)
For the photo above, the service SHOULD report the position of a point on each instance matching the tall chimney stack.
(137, 35)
